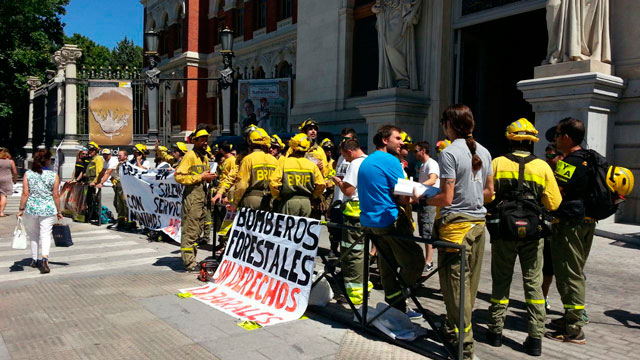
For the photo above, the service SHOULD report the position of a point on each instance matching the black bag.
(519, 216)
(62, 235)
(600, 202)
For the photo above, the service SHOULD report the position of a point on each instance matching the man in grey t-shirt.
(468, 186)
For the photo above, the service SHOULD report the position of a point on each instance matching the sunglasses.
(551, 156)
(345, 138)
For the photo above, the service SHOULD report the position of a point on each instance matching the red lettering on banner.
(225, 270)
(246, 274)
(202, 290)
(293, 306)
(265, 278)
(283, 293)
(246, 282)
(271, 293)
(250, 292)
(268, 320)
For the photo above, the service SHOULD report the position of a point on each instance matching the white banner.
(267, 269)
(154, 198)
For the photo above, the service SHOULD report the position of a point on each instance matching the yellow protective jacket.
(296, 177)
(254, 174)
(191, 168)
(328, 178)
(538, 179)
(94, 169)
(228, 172)
(166, 157)
(317, 152)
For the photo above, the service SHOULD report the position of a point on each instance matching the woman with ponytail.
(466, 183)
(40, 203)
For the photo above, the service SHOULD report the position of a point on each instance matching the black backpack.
(519, 214)
(600, 202)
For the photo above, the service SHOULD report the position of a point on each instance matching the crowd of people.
(345, 185)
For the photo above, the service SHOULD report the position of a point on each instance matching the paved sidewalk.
(113, 296)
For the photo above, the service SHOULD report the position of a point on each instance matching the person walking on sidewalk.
(572, 232)
(352, 263)
(193, 172)
(8, 176)
(466, 183)
(40, 203)
(539, 188)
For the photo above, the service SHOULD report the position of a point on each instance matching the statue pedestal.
(590, 97)
(406, 109)
(69, 151)
(572, 67)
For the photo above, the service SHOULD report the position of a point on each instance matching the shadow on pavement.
(625, 318)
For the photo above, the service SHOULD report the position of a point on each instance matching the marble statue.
(578, 30)
(396, 43)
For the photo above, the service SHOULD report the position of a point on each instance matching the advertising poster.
(265, 103)
(266, 272)
(111, 113)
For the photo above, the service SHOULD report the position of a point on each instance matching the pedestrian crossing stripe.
(79, 257)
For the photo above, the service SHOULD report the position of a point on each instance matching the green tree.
(126, 53)
(93, 55)
(30, 31)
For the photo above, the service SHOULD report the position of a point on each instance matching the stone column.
(34, 83)
(406, 109)
(59, 78)
(69, 54)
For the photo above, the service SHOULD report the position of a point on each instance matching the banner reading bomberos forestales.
(154, 198)
(267, 269)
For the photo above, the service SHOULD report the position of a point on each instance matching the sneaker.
(547, 304)
(412, 314)
(533, 346)
(564, 337)
(585, 317)
(428, 268)
(34, 263)
(44, 266)
(494, 339)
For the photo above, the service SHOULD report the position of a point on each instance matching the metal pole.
(365, 282)
(461, 304)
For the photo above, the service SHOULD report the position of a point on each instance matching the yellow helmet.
(247, 130)
(276, 141)
(620, 180)
(407, 140)
(442, 144)
(180, 146)
(92, 146)
(300, 142)
(209, 151)
(259, 137)
(327, 143)
(141, 148)
(307, 123)
(163, 148)
(199, 132)
(521, 130)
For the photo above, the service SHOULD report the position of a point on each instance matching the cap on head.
(522, 130)
(308, 123)
(327, 144)
(259, 137)
(300, 142)
(141, 148)
(93, 146)
(276, 141)
(105, 152)
(442, 144)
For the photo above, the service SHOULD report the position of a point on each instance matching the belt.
(257, 193)
(589, 220)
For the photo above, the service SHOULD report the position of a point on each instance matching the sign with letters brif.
(267, 269)
(154, 198)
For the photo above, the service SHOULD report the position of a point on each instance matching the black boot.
(44, 266)
(533, 346)
(494, 339)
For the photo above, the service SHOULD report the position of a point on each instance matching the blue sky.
(105, 21)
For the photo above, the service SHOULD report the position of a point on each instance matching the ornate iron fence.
(134, 76)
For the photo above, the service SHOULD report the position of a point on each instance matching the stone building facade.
(486, 54)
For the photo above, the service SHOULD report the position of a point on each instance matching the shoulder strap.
(522, 161)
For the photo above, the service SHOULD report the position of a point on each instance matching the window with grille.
(261, 14)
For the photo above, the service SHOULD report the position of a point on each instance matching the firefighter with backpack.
(524, 187)
(590, 191)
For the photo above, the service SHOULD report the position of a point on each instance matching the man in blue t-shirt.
(379, 214)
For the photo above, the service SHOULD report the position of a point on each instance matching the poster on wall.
(111, 113)
(265, 103)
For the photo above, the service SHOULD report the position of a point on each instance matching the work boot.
(533, 346)
(564, 337)
(494, 339)
(44, 266)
